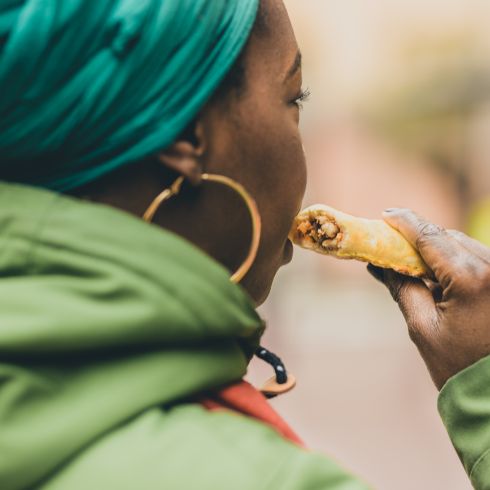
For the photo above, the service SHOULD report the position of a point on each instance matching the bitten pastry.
(327, 231)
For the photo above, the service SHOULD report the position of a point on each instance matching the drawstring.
(278, 366)
(282, 382)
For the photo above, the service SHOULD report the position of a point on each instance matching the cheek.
(282, 182)
(293, 169)
(290, 183)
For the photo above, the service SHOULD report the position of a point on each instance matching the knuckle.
(462, 266)
(471, 276)
(426, 231)
(458, 275)
(482, 275)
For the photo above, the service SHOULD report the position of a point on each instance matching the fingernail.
(390, 210)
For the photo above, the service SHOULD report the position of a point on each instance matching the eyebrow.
(295, 66)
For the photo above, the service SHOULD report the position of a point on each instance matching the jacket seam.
(478, 462)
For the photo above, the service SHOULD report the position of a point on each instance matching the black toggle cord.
(279, 367)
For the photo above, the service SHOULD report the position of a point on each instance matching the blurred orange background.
(399, 116)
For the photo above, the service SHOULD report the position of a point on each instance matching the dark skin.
(251, 136)
(448, 318)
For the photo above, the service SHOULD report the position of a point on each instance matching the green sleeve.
(464, 405)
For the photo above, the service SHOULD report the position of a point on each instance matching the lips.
(288, 251)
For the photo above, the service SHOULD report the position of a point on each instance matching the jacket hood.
(101, 317)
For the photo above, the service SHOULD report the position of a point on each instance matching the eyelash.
(304, 96)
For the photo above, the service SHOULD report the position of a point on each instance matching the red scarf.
(243, 398)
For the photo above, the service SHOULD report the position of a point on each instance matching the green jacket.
(109, 326)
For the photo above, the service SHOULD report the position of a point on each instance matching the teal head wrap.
(87, 86)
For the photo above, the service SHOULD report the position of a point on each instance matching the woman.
(121, 341)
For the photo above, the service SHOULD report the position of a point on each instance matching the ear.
(184, 155)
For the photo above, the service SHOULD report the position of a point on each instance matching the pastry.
(327, 231)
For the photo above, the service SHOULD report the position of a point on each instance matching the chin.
(260, 299)
(259, 286)
(258, 282)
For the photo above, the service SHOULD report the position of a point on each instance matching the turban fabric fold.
(87, 86)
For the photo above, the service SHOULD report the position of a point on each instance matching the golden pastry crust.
(327, 231)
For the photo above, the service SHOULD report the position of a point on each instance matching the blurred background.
(399, 116)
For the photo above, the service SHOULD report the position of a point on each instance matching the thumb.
(415, 301)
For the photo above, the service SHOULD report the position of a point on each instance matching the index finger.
(444, 255)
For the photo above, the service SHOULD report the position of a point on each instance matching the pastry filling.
(321, 230)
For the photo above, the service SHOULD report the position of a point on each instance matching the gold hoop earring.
(253, 210)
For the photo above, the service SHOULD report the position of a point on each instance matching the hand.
(448, 317)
